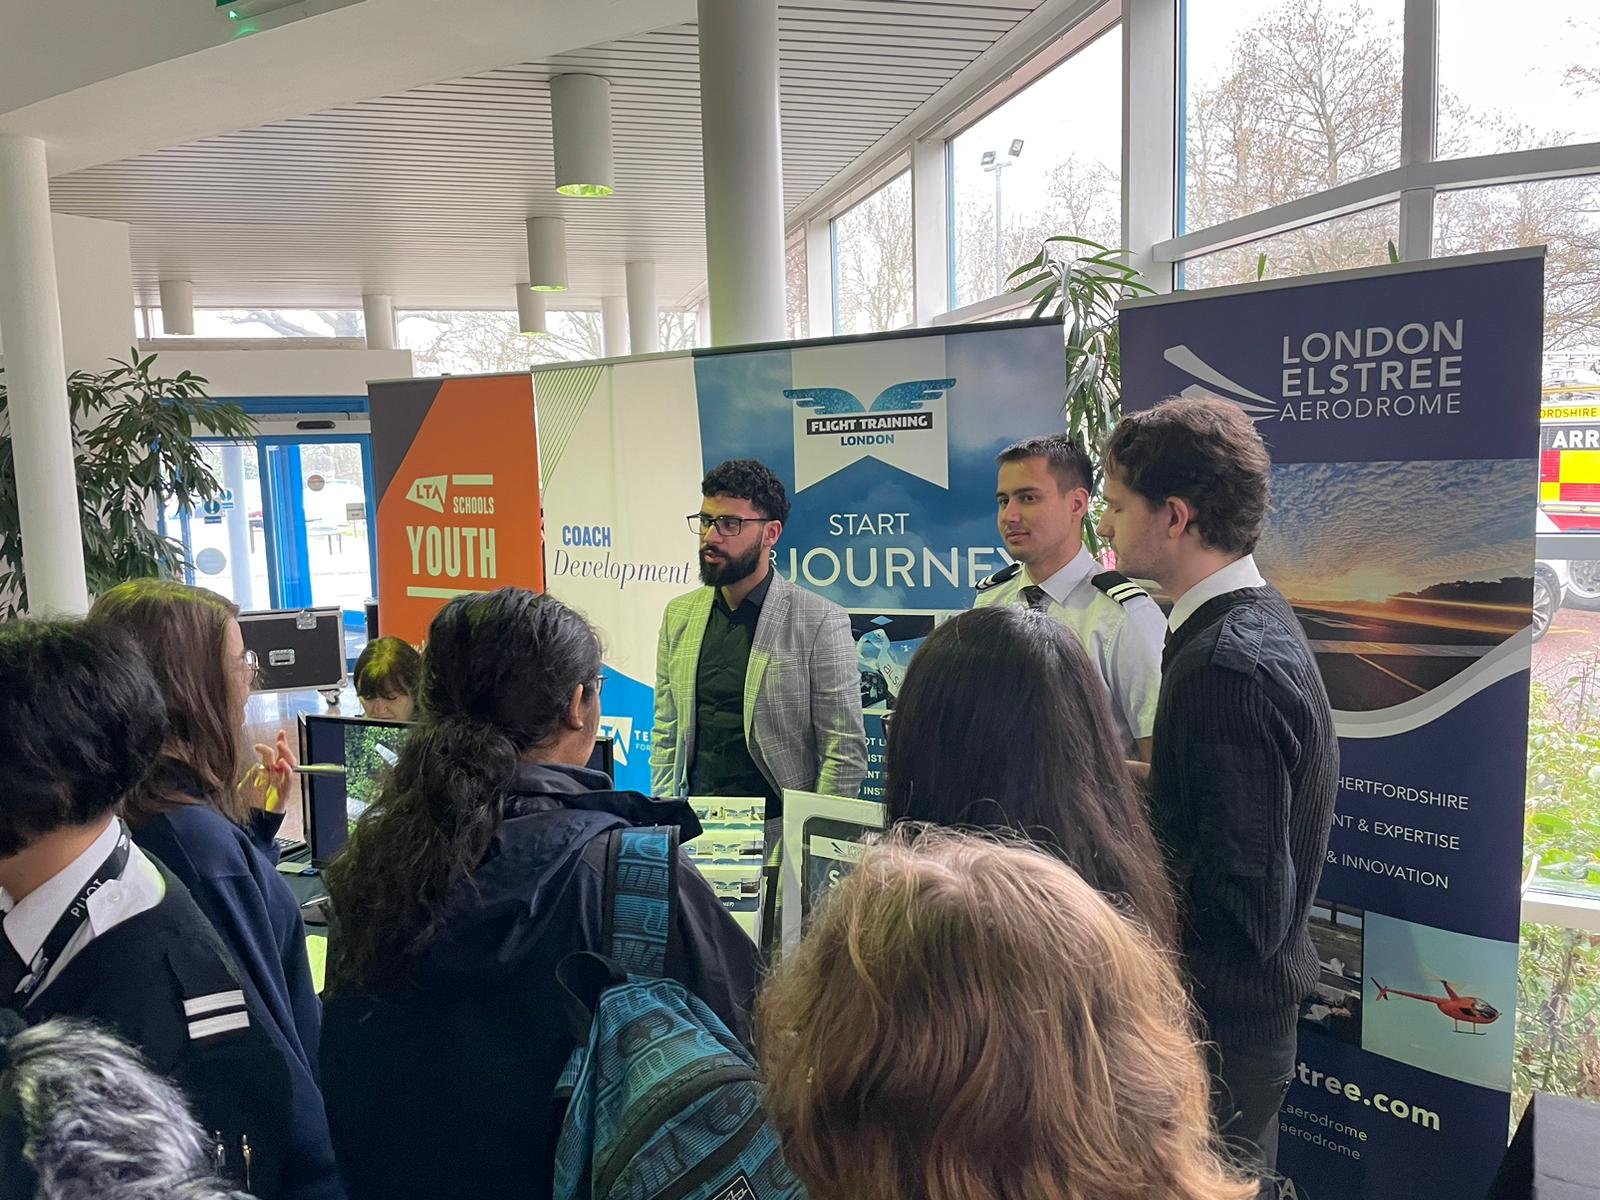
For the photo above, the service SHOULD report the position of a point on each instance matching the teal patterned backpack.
(661, 1101)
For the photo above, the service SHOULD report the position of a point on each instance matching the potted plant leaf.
(1082, 281)
(135, 453)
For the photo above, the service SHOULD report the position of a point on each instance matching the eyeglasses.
(251, 662)
(599, 684)
(701, 523)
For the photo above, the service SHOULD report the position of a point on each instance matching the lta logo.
(429, 491)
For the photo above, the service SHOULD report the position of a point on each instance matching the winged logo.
(900, 397)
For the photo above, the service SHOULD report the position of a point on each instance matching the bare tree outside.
(463, 342)
(796, 296)
(875, 273)
(1310, 100)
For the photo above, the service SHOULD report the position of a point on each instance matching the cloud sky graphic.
(1368, 531)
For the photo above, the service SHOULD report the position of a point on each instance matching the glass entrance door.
(293, 529)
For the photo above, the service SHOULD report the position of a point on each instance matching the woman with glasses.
(210, 816)
(478, 868)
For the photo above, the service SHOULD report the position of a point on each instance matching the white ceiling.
(422, 194)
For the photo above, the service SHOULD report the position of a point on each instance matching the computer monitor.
(344, 760)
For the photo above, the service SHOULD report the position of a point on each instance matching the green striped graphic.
(561, 396)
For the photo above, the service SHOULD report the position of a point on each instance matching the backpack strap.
(641, 899)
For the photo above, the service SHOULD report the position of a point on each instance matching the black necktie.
(1166, 648)
(1038, 599)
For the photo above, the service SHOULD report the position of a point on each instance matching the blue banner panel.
(887, 447)
(1401, 407)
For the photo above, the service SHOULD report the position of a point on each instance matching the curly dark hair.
(747, 479)
(1205, 451)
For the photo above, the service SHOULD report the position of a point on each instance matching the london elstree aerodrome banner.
(1401, 407)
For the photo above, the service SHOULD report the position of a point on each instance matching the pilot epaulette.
(999, 577)
(1118, 586)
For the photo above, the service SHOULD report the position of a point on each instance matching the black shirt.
(1242, 784)
(722, 764)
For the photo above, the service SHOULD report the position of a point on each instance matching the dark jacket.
(233, 877)
(1242, 783)
(163, 981)
(442, 1088)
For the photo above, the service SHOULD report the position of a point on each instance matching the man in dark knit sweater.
(1245, 762)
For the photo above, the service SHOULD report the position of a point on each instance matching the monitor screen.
(347, 759)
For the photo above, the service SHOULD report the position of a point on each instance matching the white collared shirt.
(1122, 637)
(28, 922)
(1240, 573)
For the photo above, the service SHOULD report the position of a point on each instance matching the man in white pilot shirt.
(1042, 495)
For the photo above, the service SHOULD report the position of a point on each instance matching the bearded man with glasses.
(757, 688)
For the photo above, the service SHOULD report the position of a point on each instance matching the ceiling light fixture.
(530, 311)
(580, 117)
(547, 254)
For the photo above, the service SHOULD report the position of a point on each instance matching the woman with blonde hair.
(967, 1019)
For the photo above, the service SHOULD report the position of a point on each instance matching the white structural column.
(819, 278)
(930, 230)
(177, 307)
(743, 158)
(1419, 123)
(378, 315)
(702, 322)
(644, 317)
(614, 326)
(36, 382)
(1149, 134)
(238, 523)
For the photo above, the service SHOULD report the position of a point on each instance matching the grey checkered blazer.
(802, 694)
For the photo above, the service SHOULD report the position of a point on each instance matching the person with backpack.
(483, 865)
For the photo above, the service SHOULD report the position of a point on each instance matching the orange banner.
(457, 460)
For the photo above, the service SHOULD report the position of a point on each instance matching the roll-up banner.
(456, 469)
(886, 445)
(1401, 408)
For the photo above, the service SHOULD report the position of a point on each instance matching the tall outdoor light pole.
(994, 163)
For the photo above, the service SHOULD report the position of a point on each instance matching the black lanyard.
(74, 918)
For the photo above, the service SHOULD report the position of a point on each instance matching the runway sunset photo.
(1403, 574)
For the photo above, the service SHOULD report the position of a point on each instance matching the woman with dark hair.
(1002, 723)
(212, 821)
(478, 868)
(386, 678)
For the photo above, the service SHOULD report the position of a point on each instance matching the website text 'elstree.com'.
(1390, 1106)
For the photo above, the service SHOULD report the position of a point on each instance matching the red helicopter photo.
(1462, 1010)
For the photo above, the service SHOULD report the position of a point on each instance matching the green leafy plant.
(134, 454)
(1082, 282)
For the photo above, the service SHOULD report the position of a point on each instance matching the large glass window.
(1562, 214)
(874, 275)
(1359, 239)
(1283, 98)
(796, 297)
(476, 342)
(1047, 161)
(1517, 78)
(266, 322)
(1563, 827)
